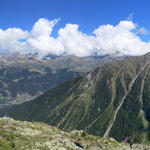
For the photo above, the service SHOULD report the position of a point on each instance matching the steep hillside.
(23, 77)
(113, 100)
(17, 135)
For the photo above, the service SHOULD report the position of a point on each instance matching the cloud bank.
(122, 39)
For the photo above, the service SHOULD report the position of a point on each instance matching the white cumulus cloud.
(9, 40)
(43, 27)
(106, 39)
(120, 38)
(75, 42)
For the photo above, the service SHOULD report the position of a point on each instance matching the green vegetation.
(114, 96)
(17, 135)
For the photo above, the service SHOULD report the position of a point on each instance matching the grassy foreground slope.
(17, 135)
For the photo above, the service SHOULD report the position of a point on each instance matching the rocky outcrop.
(24, 135)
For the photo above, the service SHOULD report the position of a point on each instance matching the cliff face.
(113, 100)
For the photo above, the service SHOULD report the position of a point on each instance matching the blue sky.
(87, 14)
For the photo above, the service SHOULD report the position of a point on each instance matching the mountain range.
(24, 77)
(111, 100)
